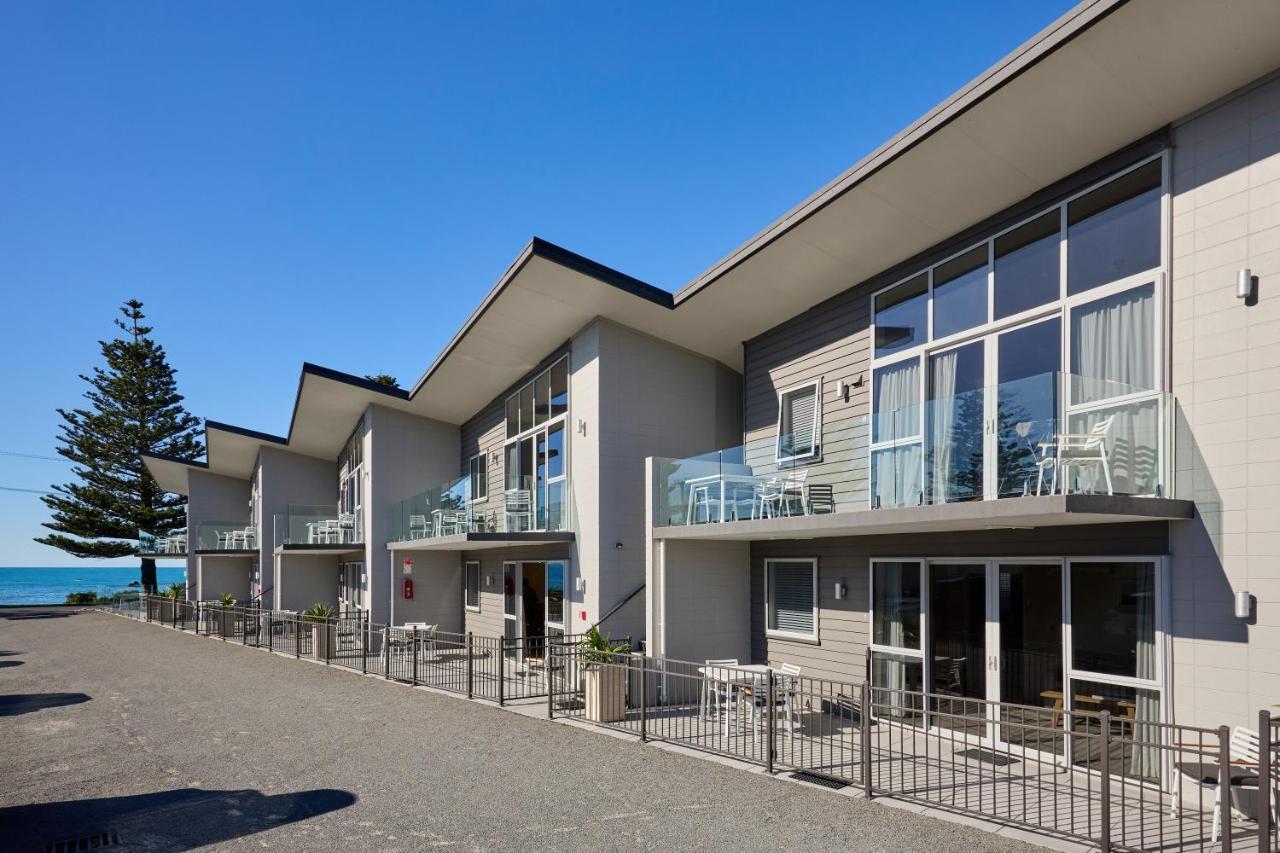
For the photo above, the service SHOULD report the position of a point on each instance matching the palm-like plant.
(226, 601)
(174, 590)
(319, 613)
(598, 647)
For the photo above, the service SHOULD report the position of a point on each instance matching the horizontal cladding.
(486, 432)
(841, 651)
(488, 620)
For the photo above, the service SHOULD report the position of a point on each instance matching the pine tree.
(383, 379)
(134, 408)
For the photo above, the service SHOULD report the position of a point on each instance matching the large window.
(478, 473)
(1031, 362)
(472, 585)
(791, 598)
(536, 473)
(800, 422)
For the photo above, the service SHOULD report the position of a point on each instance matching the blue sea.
(19, 585)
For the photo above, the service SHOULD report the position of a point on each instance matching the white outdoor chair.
(784, 698)
(346, 529)
(517, 505)
(453, 521)
(1243, 751)
(1069, 450)
(793, 492)
(717, 687)
(417, 527)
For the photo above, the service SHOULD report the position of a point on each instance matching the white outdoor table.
(735, 675)
(749, 480)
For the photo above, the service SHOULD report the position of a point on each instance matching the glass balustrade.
(226, 536)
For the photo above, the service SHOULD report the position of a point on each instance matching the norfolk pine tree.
(134, 408)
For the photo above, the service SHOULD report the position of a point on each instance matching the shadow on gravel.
(5, 664)
(6, 654)
(181, 819)
(13, 704)
(36, 614)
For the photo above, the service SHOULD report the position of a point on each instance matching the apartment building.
(1010, 394)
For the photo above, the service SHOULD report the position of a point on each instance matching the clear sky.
(341, 183)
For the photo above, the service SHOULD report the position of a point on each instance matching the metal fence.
(1114, 782)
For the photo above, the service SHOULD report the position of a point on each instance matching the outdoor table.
(737, 676)
(736, 480)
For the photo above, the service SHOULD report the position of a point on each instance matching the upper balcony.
(172, 544)
(1006, 455)
(449, 515)
(318, 527)
(226, 537)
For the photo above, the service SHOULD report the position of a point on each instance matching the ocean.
(36, 585)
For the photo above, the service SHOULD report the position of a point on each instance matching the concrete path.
(166, 741)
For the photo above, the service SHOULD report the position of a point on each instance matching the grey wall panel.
(437, 590)
(488, 620)
(306, 579)
(224, 575)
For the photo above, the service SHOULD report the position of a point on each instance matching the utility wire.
(28, 491)
(33, 456)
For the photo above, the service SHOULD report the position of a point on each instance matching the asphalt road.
(173, 742)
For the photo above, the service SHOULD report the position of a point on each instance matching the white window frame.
(477, 465)
(774, 633)
(466, 585)
(537, 500)
(816, 453)
(1061, 307)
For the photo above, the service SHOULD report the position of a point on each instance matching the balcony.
(318, 527)
(171, 544)
(449, 513)
(217, 537)
(1004, 455)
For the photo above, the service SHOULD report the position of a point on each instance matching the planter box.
(323, 641)
(606, 693)
(165, 611)
(226, 622)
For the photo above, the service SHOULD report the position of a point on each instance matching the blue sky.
(255, 171)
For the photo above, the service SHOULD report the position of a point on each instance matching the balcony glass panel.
(171, 544)
(447, 509)
(317, 524)
(1022, 437)
(227, 536)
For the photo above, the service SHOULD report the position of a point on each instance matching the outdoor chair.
(821, 499)
(785, 688)
(518, 507)
(1243, 751)
(417, 527)
(1068, 450)
(717, 689)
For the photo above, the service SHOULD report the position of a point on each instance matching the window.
(896, 449)
(799, 419)
(791, 598)
(472, 581)
(1027, 266)
(1114, 231)
(895, 604)
(902, 316)
(535, 475)
(555, 595)
(479, 474)
(1113, 618)
(960, 293)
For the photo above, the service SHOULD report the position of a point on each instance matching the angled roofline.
(191, 463)
(235, 430)
(1075, 21)
(539, 248)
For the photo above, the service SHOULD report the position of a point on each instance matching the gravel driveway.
(171, 742)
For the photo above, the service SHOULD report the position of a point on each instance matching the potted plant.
(323, 635)
(226, 615)
(605, 677)
(169, 601)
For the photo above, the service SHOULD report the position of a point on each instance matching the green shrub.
(175, 590)
(82, 598)
(319, 613)
(598, 648)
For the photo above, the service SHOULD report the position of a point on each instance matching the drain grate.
(818, 779)
(986, 756)
(96, 841)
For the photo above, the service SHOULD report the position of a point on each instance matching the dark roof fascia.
(1043, 44)
(235, 430)
(540, 248)
(193, 463)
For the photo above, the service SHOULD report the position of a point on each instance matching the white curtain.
(1145, 762)
(1113, 346)
(896, 470)
(942, 415)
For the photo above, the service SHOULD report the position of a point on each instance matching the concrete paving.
(166, 741)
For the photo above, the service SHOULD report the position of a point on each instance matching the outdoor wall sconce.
(1244, 284)
(842, 590)
(488, 580)
(845, 386)
(580, 584)
(1244, 604)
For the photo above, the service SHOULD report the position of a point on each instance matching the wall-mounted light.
(488, 580)
(1244, 605)
(580, 584)
(617, 546)
(1244, 284)
(841, 590)
(844, 387)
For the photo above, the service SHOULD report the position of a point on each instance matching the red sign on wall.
(408, 589)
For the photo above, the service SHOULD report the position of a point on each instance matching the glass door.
(959, 646)
(1029, 654)
(555, 598)
(1027, 412)
(954, 419)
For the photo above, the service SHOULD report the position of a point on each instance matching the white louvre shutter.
(799, 413)
(791, 597)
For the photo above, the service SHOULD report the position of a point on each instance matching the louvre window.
(792, 597)
(798, 418)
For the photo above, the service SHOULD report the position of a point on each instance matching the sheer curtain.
(895, 474)
(1113, 355)
(1145, 762)
(942, 416)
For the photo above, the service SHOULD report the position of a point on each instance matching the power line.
(33, 456)
(28, 491)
